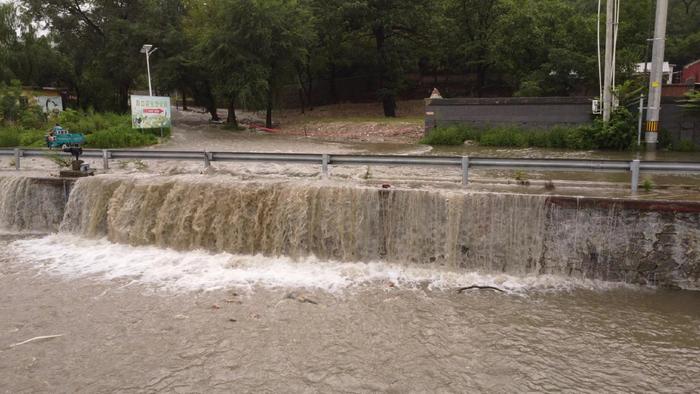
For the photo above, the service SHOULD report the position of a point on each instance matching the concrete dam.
(633, 241)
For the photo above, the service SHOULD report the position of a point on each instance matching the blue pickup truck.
(62, 138)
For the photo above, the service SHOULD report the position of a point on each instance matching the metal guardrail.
(463, 162)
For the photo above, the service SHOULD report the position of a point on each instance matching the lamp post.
(148, 50)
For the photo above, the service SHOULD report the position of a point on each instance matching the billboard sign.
(50, 104)
(150, 112)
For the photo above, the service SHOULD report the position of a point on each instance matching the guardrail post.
(105, 159)
(465, 170)
(634, 167)
(206, 159)
(324, 165)
(18, 154)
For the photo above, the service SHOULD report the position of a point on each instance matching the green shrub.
(560, 137)
(452, 135)
(618, 134)
(32, 138)
(32, 117)
(119, 137)
(684, 146)
(90, 122)
(505, 136)
(9, 137)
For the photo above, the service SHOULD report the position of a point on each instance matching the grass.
(62, 162)
(513, 137)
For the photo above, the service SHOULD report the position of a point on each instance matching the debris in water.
(300, 297)
(216, 306)
(36, 339)
(386, 186)
(462, 289)
(232, 320)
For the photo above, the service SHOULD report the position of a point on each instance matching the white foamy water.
(72, 256)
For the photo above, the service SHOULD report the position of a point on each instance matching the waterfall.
(491, 232)
(518, 234)
(31, 204)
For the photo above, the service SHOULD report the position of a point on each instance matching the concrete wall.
(529, 112)
(544, 112)
(653, 243)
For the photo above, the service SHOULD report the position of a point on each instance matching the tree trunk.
(386, 88)
(334, 89)
(268, 115)
(480, 79)
(123, 103)
(389, 104)
(211, 102)
(184, 100)
(231, 118)
(302, 100)
(310, 86)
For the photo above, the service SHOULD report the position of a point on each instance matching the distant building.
(49, 99)
(691, 73)
(644, 68)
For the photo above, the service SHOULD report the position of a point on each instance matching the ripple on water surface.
(549, 334)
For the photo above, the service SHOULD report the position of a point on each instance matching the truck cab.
(59, 137)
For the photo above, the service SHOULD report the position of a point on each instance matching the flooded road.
(175, 328)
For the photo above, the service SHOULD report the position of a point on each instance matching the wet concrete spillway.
(640, 242)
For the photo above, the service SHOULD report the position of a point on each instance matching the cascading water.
(30, 204)
(516, 234)
(490, 232)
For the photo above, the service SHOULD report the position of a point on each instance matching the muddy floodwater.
(312, 326)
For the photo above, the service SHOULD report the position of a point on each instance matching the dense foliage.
(244, 52)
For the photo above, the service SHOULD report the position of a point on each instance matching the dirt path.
(192, 131)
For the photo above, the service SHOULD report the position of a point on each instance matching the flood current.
(185, 285)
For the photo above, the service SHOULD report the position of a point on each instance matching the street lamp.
(148, 50)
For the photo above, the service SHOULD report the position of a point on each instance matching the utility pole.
(651, 136)
(609, 63)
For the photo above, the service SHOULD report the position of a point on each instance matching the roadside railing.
(465, 163)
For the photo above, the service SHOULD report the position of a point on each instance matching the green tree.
(394, 28)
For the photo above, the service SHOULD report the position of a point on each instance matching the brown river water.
(275, 326)
(170, 284)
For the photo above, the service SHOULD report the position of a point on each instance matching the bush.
(89, 122)
(32, 117)
(685, 146)
(32, 138)
(505, 136)
(560, 137)
(618, 134)
(453, 135)
(9, 137)
(119, 137)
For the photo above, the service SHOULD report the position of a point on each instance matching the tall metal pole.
(651, 136)
(148, 67)
(609, 66)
